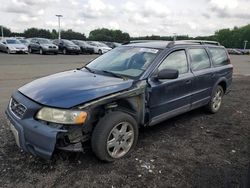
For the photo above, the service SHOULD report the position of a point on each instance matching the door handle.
(188, 81)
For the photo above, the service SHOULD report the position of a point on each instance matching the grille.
(17, 108)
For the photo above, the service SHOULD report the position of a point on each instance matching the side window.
(219, 56)
(199, 59)
(176, 60)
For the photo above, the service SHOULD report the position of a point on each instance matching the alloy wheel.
(120, 139)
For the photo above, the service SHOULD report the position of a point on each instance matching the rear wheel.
(216, 100)
(114, 136)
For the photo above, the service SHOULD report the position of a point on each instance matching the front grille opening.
(17, 108)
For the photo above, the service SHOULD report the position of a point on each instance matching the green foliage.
(6, 32)
(110, 35)
(34, 32)
(70, 34)
(230, 38)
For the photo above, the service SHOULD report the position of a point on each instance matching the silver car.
(12, 45)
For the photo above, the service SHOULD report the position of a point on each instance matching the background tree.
(70, 35)
(6, 32)
(104, 34)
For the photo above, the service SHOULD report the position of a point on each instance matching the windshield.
(44, 41)
(68, 42)
(12, 41)
(23, 41)
(125, 61)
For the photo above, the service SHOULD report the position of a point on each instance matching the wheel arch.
(223, 83)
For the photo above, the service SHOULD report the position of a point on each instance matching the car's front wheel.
(65, 51)
(41, 52)
(114, 136)
(30, 50)
(100, 52)
(216, 100)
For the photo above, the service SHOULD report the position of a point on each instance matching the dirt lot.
(192, 150)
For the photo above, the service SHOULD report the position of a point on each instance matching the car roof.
(168, 44)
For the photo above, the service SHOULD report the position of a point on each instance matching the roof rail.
(203, 42)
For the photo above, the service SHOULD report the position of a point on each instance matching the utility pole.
(2, 31)
(59, 25)
(245, 44)
(175, 36)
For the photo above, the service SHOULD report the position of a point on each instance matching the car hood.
(71, 88)
(106, 48)
(17, 45)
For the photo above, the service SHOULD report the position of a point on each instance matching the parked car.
(42, 46)
(112, 44)
(26, 42)
(85, 47)
(106, 101)
(12, 45)
(234, 51)
(99, 48)
(67, 46)
(244, 52)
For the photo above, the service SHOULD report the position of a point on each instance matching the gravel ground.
(195, 149)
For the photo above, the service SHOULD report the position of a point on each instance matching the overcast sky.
(137, 17)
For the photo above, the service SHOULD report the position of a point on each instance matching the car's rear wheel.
(216, 100)
(114, 136)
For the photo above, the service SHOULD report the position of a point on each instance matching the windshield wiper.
(114, 74)
(89, 69)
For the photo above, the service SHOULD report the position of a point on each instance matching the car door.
(168, 98)
(33, 44)
(204, 76)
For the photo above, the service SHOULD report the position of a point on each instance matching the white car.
(12, 45)
(99, 47)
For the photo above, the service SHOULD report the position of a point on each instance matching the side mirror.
(167, 74)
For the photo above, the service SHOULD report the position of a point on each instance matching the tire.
(216, 100)
(110, 128)
(100, 52)
(8, 51)
(30, 50)
(65, 51)
(41, 52)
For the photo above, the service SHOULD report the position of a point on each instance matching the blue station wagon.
(109, 99)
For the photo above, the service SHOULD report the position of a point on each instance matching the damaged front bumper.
(36, 137)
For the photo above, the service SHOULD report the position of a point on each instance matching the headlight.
(62, 116)
(12, 48)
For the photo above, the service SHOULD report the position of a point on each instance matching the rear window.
(219, 56)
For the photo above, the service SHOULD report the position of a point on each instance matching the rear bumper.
(34, 137)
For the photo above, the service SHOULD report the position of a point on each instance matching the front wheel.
(100, 52)
(41, 51)
(64, 51)
(30, 50)
(114, 136)
(216, 100)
